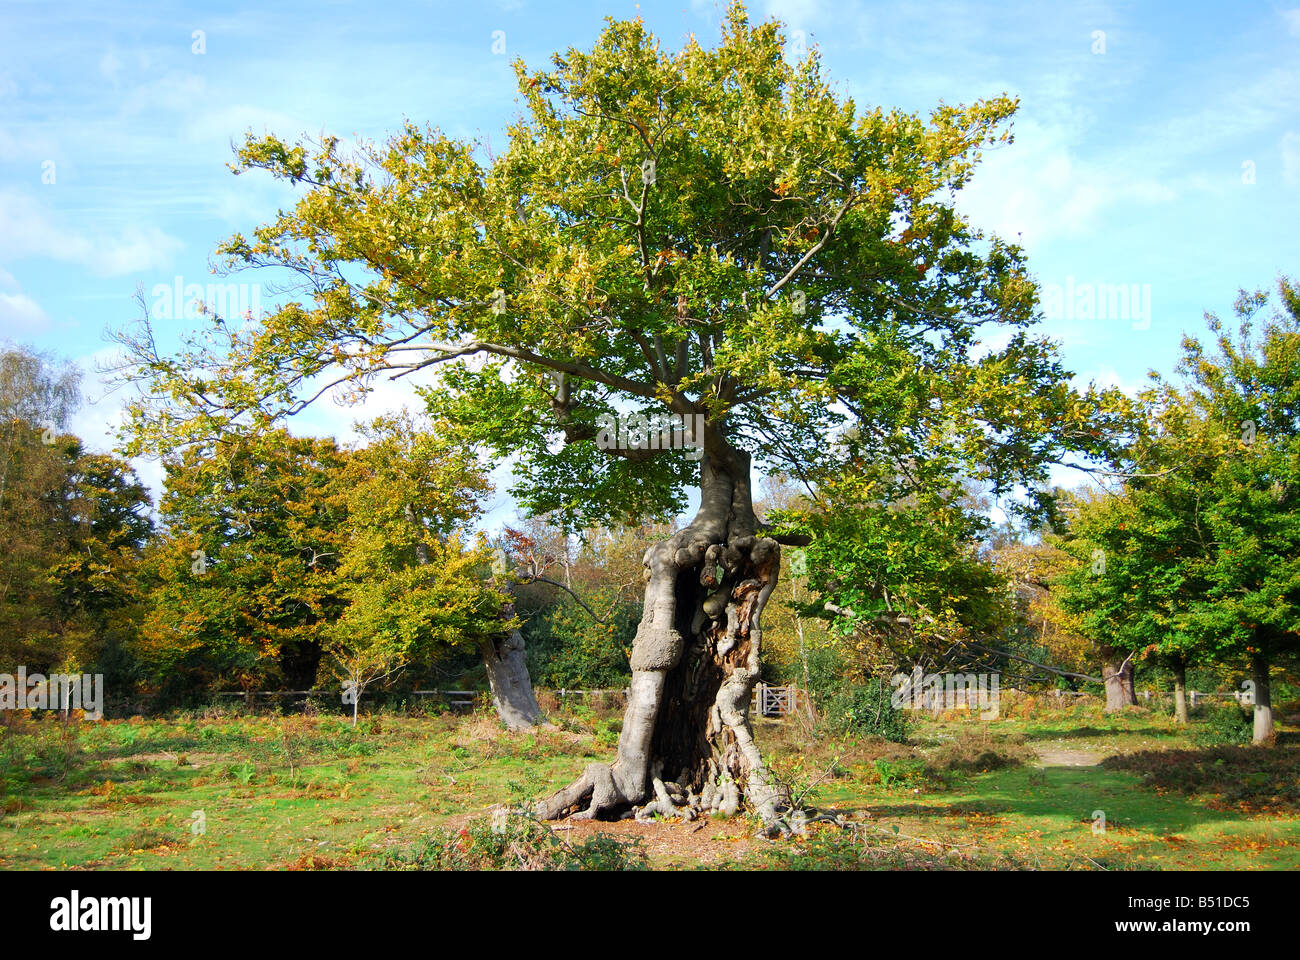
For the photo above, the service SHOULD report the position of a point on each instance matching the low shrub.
(514, 841)
(1223, 724)
(865, 709)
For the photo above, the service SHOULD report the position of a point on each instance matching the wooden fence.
(1243, 697)
(767, 701)
(457, 699)
(770, 702)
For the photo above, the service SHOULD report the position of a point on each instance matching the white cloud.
(99, 417)
(1105, 377)
(794, 13)
(1292, 20)
(1041, 189)
(27, 144)
(230, 123)
(20, 315)
(28, 228)
(327, 418)
(174, 92)
(1234, 112)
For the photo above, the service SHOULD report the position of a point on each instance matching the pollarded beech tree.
(712, 235)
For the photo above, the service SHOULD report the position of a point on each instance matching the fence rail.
(766, 701)
(455, 698)
(775, 701)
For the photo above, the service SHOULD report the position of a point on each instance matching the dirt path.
(1063, 757)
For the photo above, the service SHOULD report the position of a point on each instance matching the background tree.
(74, 526)
(1195, 558)
(1248, 393)
(580, 635)
(1134, 551)
(710, 233)
(1040, 630)
(792, 635)
(414, 587)
(907, 577)
(37, 396)
(100, 588)
(247, 567)
(1101, 589)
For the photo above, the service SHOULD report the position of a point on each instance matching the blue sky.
(1157, 145)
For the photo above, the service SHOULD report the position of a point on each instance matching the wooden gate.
(775, 701)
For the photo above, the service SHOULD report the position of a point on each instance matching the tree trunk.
(507, 673)
(1117, 672)
(803, 654)
(503, 659)
(1180, 691)
(1263, 703)
(687, 747)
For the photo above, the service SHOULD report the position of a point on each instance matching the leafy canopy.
(1199, 554)
(704, 232)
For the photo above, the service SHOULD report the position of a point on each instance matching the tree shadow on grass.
(1064, 797)
(1084, 733)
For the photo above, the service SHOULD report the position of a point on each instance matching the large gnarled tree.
(711, 234)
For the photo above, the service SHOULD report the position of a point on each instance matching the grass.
(214, 790)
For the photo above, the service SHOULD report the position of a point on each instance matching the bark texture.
(1180, 692)
(1263, 729)
(687, 747)
(507, 673)
(1117, 672)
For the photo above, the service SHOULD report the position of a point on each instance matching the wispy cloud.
(20, 316)
(29, 229)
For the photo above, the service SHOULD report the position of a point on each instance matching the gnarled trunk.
(512, 690)
(687, 747)
(1117, 672)
(507, 673)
